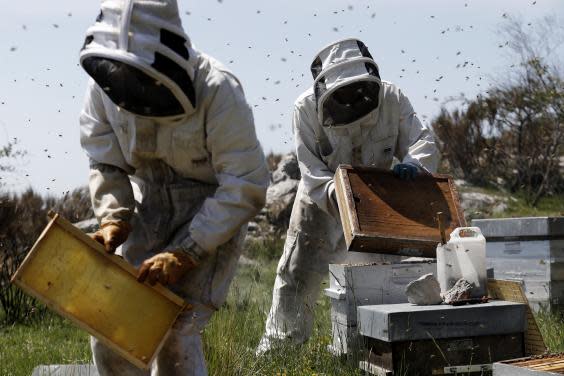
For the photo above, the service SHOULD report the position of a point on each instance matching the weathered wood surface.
(74, 276)
(430, 357)
(545, 365)
(512, 291)
(381, 213)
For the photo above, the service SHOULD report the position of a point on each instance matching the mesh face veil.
(347, 83)
(138, 53)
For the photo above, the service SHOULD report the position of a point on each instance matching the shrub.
(22, 218)
(513, 134)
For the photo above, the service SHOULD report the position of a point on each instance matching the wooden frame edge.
(56, 219)
(456, 201)
(16, 277)
(78, 234)
(349, 198)
(347, 230)
(138, 363)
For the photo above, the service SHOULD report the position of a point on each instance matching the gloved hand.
(406, 171)
(167, 267)
(112, 234)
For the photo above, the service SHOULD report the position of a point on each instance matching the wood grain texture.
(430, 357)
(512, 291)
(383, 214)
(75, 277)
(348, 212)
(548, 363)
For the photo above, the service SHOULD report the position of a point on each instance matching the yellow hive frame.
(75, 277)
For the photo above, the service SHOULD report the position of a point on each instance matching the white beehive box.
(530, 250)
(353, 285)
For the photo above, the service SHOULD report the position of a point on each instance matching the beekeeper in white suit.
(349, 116)
(176, 170)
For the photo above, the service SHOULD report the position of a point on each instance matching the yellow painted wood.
(74, 277)
(512, 291)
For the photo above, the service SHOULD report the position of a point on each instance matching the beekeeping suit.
(174, 156)
(349, 116)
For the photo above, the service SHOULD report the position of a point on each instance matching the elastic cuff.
(333, 206)
(121, 224)
(192, 249)
(419, 167)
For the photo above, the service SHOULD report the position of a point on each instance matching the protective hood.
(347, 83)
(139, 54)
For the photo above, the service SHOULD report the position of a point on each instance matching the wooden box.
(531, 250)
(545, 365)
(74, 276)
(440, 356)
(382, 214)
(351, 286)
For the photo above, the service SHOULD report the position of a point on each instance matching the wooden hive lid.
(382, 214)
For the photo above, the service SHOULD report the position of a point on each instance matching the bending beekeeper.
(176, 170)
(349, 116)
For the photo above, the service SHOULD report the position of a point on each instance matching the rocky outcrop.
(282, 192)
(477, 204)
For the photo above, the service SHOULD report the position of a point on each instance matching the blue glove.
(405, 171)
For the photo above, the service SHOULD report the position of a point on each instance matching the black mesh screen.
(316, 67)
(350, 103)
(177, 74)
(372, 69)
(319, 88)
(131, 89)
(89, 39)
(175, 42)
(363, 49)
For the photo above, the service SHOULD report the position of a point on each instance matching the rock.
(477, 204)
(460, 182)
(88, 225)
(500, 208)
(288, 168)
(253, 227)
(243, 260)
(282, 192)
(424, 291)
(279, 201)
(460, 291)
(65, 370)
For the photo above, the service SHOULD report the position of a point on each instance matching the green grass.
(234, 331)
(517, 206)
(547, 206)
(552, 327)
(53, 341)
(230, 338)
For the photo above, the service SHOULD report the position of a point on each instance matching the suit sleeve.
(416, 142)
(317, 178)
(240, 168)
(110, 189)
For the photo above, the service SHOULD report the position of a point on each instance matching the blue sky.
(268, 45)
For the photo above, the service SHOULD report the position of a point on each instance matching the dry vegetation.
(512, 135)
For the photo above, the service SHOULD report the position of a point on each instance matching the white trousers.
(161, 220)
(314, 239)
(182, 353)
